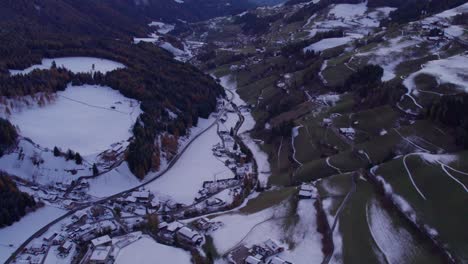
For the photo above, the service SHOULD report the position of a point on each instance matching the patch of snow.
(348, 10)
(329, 43)
(307, 240)
(17, 233)
(112, 182)
(396, 244)
(147, 251)
(87, 119)
(450, 70)
(24, 163)
(75, 64)
(162, 28)
(248, 229)
(196, 165)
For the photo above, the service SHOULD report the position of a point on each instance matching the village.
(95, 231)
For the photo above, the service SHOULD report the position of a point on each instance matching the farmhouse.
(278, 260)
(253, 260)
(37, 248)
(80, 216)
(101, 241)
(49, 237)
(189, 236)
(66, 247)
(141, 196)
(100, 255)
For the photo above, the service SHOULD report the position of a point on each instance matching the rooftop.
(100, 253)
(101, 240)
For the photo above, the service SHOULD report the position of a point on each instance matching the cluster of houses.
(264, 253)
(104, 249)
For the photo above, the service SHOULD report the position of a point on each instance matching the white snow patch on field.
(331, 43)
(74, 64)
(437, 158)
(389, 55)
(450, 70)
(121, 178)
(51, 170)
(248, 229)
(348, 10)
(87, 119)
(18, 232)
(162, 28)
(112, 182)
(196, 165)
(308, 242)
(395, 243)
(147, 251)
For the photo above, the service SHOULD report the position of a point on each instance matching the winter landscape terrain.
(250, 132)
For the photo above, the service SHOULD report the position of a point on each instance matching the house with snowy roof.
(100, 255)
(189, 236)
(101, 241)
(278, 260)
(253, 260)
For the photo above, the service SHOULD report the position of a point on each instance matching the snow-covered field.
(249, 229)
(331, 43)
(196, 165)
(17, 233)
(395, 243)
(147, 251)
(451, 70)
(26, 165)
(389, 54)
(87, 119)
(348, 10)
(112, 182)
(308, 244)
(75, 64)
(121, 178)
(256, 228)
(161, 27)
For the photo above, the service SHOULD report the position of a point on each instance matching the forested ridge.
(46, 29)
(13, 203)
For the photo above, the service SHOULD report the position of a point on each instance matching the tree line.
(14, 204)
(8, 135)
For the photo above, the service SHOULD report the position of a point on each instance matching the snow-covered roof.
(277, 260)
(252, 260)
(67, 245)
(187, 232)
(174, 226)
(100, 253)
(101, 240)
(80, 214)
(130, 199)
(272, 245)
(142, 195)
(347, 130)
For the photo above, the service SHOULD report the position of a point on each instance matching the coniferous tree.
(95, 170)
(56, 152)
(78, 158)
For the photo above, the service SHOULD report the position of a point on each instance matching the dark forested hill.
(13, 203)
